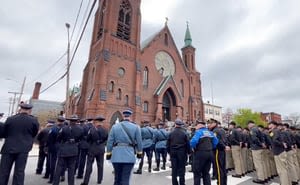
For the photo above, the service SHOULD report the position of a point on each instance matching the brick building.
(270, 116)
(153, 78)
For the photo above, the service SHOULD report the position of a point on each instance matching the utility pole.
(10, 103)
(14, 101)
(21, 93)
(68, 71)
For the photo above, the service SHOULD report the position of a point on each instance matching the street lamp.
(68, 70)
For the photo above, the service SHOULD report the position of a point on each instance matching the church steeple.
(188, 37)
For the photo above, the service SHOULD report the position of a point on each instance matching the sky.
(248, 51)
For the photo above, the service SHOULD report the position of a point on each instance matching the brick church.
(153, 78)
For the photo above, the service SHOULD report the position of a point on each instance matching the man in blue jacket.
(123, 141)
(202, 144)
(160, 138)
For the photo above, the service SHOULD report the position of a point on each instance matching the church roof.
(161, 86)
(188, 37)
(146, 42)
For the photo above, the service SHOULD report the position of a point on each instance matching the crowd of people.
(72, 145)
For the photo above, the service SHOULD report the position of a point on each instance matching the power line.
(73, 56)
(78, 13)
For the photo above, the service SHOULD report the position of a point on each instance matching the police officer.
(219, 151)
(123, 140)
(97, 137)
(280, 155)
(1, 126)
(53, 147)
(42, 138)
(19, 133)
(202, 144)
(148, 146)
(160, 139)
(178, 147)
(83, 149)
(68, 137)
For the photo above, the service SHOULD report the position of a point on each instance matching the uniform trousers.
(41, 159)
(62, 163)
(160, 152)
(237, 159)
(229, 160)
(89, 167)
(293, 170)
(52, 156)
(202, 161)
(149, 153)
(220, 160)
(81, 161)
(282, 168)
(259, 163)
(7, 160)
(122, 173)
(244, 160)
(178, 161)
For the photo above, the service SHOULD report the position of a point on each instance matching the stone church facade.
(153, 78)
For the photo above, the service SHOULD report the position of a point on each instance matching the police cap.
(73, 118)
(200, 122)
(99, 118)
(26, 106)
(273, 123)
(61, 119)
(89, 119)
(127, 113)
(179, 122)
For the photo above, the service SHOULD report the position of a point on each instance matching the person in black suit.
(19, 132)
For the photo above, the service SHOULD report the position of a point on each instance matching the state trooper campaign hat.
(127, 112)
(26, 106)
(50, 122)
(61, 119)
(198, 121)
(179, 122)
(99, 118)
(73, 118)
(89, 119)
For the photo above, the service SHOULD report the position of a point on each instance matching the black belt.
(123, 144)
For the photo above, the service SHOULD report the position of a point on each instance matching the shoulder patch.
(271, 134)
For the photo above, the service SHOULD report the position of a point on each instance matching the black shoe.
(257, 181)
(79, 177)
(156, 169)
(138, 172)
(213, 178)
(62, 178)
(163, 168)
(38, 173)
(149, 170)
(294, 183)
(49, 182)
(83, 183)
(99, 182)
(45, 177)
(237, 176)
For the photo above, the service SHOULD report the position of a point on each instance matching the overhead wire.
(74, 53)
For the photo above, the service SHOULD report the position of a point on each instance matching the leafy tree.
(244, 115)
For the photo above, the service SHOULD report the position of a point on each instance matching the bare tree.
(295, 118)
(227, 116)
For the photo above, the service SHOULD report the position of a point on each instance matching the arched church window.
(124, 21)
(119, 95)
(185, 61)
(146, 77)
(101, 20)
(111, 86)
(166, 39)
(146, 106)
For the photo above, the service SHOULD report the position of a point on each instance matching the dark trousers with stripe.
(220, 167)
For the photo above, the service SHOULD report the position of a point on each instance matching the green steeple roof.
(188, 37)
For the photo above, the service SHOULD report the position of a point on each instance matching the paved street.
(162, 177)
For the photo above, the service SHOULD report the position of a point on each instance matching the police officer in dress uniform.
(68, 137)
(19, 133)
(123, 140)
(83, 149)
(53, 147)
(178, 146)
(148, 146)
(202, 144)
(219, 151)
(97, 137)
(42, 138)
(160, 139)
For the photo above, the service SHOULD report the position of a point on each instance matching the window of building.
(119, 95)
(126, 100)
(211, 111)
(124, 21)
(166, 39)
(145, 77)
(91, 95)
(206, 111)
(145, 106)
(101, 20)
(192, 61)
(182, 87)
(185, 61)
(111, 86)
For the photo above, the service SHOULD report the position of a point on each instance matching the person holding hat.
(53, 146)
(68, 137)
(160, 139)
(123, 142)
(19, 132)
(202, 144)
(97, 137)
(148, 146)
(42, 138)
(219, 162)
(178, 147)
